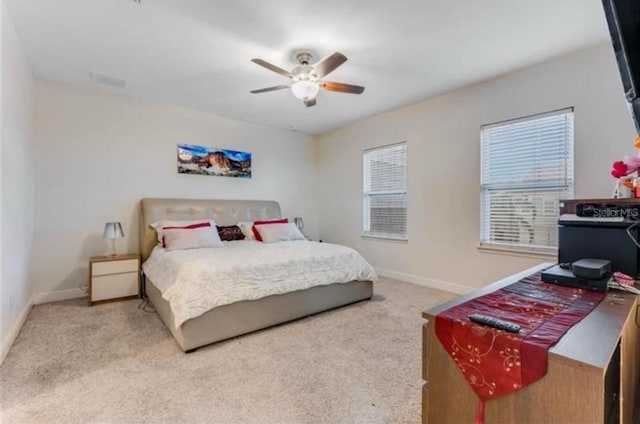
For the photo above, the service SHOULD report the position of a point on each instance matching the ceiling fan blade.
(341, 87)
(274, 88)
(273, 68)
(310, 102)
(328, 64)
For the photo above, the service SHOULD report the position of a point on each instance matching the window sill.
(522, 252)
(385, 237)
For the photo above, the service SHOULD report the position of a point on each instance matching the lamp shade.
(305, 90)
(112, 230)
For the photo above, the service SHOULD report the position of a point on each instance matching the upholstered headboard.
(224, 212)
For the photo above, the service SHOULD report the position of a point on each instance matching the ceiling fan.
(306, 80)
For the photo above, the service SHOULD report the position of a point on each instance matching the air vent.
(107, 80)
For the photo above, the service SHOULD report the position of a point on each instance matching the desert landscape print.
(203, 160)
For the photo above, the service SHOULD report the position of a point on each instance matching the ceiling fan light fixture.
(306, 80)
(305, 89)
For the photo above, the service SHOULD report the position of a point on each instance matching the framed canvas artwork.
(203, 160)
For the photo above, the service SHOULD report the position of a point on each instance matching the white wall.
(97, 154)
(16, 203)
(443, 164)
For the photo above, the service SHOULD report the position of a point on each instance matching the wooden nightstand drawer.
(114, 286)
(114, 278)
(114, 267)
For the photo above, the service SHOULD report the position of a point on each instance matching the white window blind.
(385, 191)
(526, 168)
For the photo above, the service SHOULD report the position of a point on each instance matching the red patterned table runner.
(495, 362)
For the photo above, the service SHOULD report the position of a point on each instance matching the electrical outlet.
(12, 301)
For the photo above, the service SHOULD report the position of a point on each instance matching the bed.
(245, 316)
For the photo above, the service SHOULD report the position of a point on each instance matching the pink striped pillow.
(185, 227)
(267, 222)
(196, 237)
(159, 225)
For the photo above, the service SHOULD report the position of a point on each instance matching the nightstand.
(113, 278)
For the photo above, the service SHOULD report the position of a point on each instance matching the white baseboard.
(58, 295)
(423, 281)
(15, 330)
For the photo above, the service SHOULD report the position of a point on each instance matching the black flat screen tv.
(623, 17)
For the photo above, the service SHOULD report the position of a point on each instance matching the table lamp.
(113, 230)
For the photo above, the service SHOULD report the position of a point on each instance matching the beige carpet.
(115, 363)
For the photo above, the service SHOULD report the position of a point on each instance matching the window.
(385, 191)
(526, 168)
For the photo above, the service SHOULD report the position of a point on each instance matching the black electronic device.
(623, 18)
(494, 322)
(609, 239)
(565, 277)
(591, 269)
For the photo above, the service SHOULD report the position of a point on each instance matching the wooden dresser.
(593, 372)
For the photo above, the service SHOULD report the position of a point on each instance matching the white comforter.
(195, 281)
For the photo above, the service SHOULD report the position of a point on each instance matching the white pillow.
(247, 229)
(272, 233)
(192, 238)
(159, 225)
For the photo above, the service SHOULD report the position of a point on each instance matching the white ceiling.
(196, 53)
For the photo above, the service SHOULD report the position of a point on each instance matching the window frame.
(368, 194)
(537, 251)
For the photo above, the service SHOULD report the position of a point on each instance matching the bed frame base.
(225, 322)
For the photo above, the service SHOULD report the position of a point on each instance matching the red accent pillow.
(269, 221)
(186, 227)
